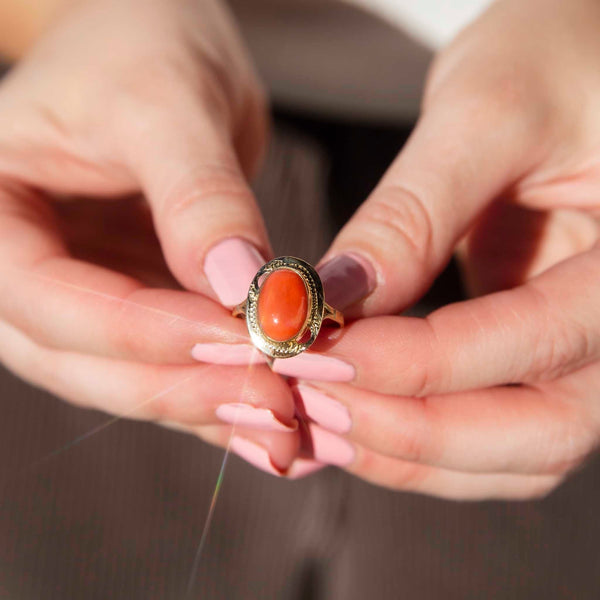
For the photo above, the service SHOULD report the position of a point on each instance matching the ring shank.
(332, 314)
(240, 309)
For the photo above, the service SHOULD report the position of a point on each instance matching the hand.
(506, 153)
(119, 99)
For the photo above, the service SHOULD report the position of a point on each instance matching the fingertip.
(256, 455)
(303, 467)
(347, 279)
(229, 266)
(281, 448)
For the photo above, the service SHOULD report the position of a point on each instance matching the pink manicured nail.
(323, 409)
(347, 278)
(330, 448)
(228, 354)
(302, 467)
(254, 454)
(245, 415)
(230, 267)
(314, 366)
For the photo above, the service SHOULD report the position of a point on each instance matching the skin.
(117, 100)
(504, 167)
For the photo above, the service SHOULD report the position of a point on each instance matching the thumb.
(209, 226)
(461, 155)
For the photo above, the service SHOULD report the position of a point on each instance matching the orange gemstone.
(282, 305)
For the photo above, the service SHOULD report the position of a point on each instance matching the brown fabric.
(119, 514)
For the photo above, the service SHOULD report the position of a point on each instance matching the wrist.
(23, 21)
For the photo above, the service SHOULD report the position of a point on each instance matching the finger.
(539, 331)
(209, 226)
(72, 305)
(470, 143)
(251, 131)
(544, 430)
(451, 485)
(191, 395)
(510, 244)
(256, 403)
(256, 448)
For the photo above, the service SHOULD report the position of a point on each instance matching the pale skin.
(508, 118)
(119, 99)
(502, 166)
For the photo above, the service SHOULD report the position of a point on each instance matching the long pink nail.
(315, 366)
(254, 454)
(302, 467)
(323, 409)
(330, 448)
(228, 354)
(230, 267)
(347, 278)
(245, 415)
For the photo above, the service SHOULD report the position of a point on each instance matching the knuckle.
(580, 438)
(569, 444)
(138, 81)
(408, 476)
(125, 336)
(508, 102)
(184, 93)
(416, 443)
(410, 445)
(367, 464)
(401, 217)
(219, 88)
(505, 92)
(434, 373)
(162, 408)
(423, 380)
(203, 186)
(510, 86)
(561, 344)
(125, 342)
(160, 398)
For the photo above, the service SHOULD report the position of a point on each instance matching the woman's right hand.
(127, 98)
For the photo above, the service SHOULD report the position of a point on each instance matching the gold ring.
(285, 307)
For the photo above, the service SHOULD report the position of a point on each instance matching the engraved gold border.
(316, 305)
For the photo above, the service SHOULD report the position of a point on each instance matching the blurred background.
(119, 513)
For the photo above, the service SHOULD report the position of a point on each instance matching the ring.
(285, 307)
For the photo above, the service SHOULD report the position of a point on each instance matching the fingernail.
(323, 409)
(314, 366)
(346, 279)
(254, 454)
(330, 448)
(245, 415)
(302, 467)
(230, 267)
(228, 354)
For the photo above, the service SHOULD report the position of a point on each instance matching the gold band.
(240, 310)
(333, 314)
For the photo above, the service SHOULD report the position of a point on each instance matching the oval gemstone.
(282, 305)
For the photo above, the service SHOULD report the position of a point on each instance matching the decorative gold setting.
(318, 309)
